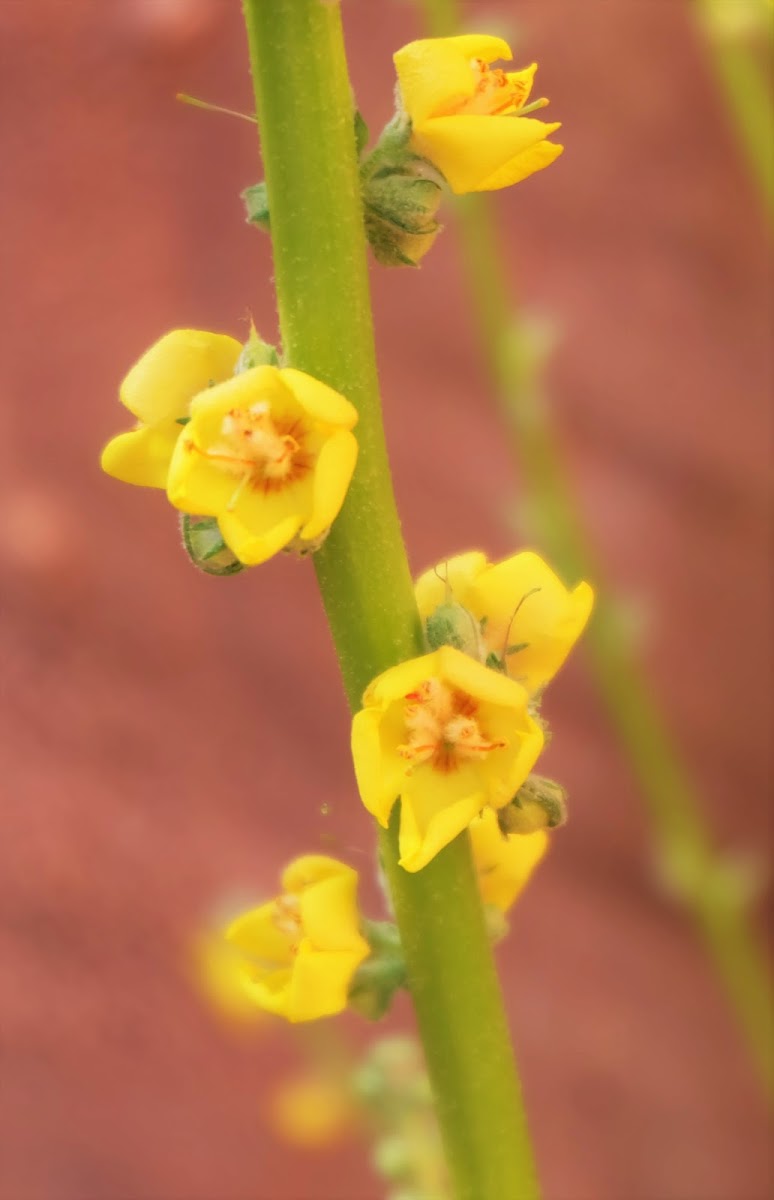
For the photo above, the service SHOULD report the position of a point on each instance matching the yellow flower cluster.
(468, 118)
(453, 733)
(268, 451)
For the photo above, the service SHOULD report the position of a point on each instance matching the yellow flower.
(449, 737)
(218, 974)
(158, 391)
(270, 454)
(299, 952)
(467, 118)
(526, 615)
(503, 864)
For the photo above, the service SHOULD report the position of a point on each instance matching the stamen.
(442, 728)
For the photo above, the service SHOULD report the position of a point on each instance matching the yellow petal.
(435, 808)
(379, 776)
(521, 82)
(473, 678)
(320, 982)
(256, 935)
(329, 915)
(396, 682)
(451, 578)
(332, 475)
(506, 769)
(160, 385)
(309, 869)
(471, 150)
(434, 71)
(270, 990)
(258, 385)
(141, 456)
(253, 548)
(195, 484)
(549, 621)
(522, 166)
(503, 864)
(319, 401)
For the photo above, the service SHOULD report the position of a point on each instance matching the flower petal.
(504, 864)
(319, 401)
(472, 150)
(396, 682)
(329, 915)
(195, 484)
(549, 621)
(433, 71)
(522, 166)
(379, 776)
(320, 982)
(434, 809)
(252, 547)
(142, 456)
(332, 475)
(256, 935)
(451, 578)
(160, 385)
(485, 685)
(270, 990)
(309, 869)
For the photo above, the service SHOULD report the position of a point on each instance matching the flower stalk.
(305, 116)
(696, 872)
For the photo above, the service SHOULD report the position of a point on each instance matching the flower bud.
(450, 624)
(540, 803)
(204, 545)
(256, 353)
(401, 195)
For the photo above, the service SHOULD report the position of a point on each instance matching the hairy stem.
(306, 122)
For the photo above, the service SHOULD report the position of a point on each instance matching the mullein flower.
(516, 615)
(266, 451)
(270, 454)
(468, 118)
(158, 392)
(299, 952)
(449, 737)
(504, 864)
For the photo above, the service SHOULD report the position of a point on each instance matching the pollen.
(496, 93)
(442, 728)
(262, 452)
(287, 916)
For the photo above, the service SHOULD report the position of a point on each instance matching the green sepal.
(182, 420)
(256, 353)
(361, 133)
(540, 803)
(256, 202)
(205, 547)
(383, 973)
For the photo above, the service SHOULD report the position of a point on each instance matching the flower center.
(287, 917)
(261, 451)
(442, 728)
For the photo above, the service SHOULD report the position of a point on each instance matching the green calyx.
(401, 195)
(205, 547)
(256, 353)
(540, 803)
(381, 975)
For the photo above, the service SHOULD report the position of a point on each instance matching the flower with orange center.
(270, 454)
(449, 737)
(518, 612)
(468, 118)
(298, 953)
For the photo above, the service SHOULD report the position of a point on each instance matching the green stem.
(305, 115)
(684, 846)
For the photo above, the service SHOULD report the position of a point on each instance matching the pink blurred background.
(168, 739)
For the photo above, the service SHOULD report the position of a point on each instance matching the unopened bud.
(450, 624)
(256, 353)
(206, 548)
(540, 803)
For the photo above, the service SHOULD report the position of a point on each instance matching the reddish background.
(167, 738)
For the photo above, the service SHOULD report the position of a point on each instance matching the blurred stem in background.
(712, 889)
(740, 36)
(307, 127)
